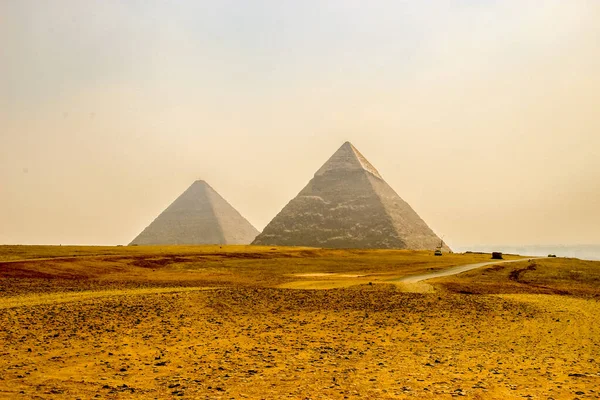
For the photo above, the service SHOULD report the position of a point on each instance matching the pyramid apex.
(200, 182)
(348, 158)
(348, 145)
(199, 185)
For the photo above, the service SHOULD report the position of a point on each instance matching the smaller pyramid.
(199, 216)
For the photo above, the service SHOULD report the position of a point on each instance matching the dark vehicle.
(551, 255)
(496, 255)
(438, 249)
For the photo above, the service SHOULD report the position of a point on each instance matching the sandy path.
(62, 297)
(62, 258)
(416, 284)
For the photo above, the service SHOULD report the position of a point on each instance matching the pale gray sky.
(483, 115)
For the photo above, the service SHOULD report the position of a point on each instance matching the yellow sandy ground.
(503, 332)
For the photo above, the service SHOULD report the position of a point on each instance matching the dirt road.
(416, 284)
(56, 298)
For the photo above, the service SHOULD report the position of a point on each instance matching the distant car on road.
(496, 255)
(438, 252)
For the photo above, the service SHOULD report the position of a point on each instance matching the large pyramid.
(348, 205)
(199, 216)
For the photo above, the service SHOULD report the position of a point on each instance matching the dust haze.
(482, 115)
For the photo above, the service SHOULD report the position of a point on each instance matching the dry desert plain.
(241, 322)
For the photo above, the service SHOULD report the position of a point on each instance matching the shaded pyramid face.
(348, 205)
(199, 216)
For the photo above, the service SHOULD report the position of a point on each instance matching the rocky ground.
(363, 341)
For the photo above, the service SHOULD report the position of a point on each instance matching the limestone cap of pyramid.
(348, 158)
(200, 182)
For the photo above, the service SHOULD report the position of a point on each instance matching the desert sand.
(252, 322)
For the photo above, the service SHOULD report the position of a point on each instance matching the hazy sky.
(483, 115)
